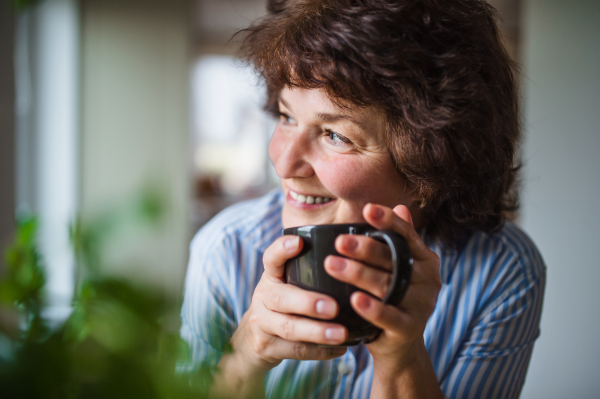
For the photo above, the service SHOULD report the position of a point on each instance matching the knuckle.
(301, 350)
(275, 299)
(355, 271)
(253, 337)
(253, 319)
(287, 329)
(258, 344)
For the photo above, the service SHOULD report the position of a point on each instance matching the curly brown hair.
(438, 70)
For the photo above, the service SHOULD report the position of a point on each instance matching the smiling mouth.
(309, 199)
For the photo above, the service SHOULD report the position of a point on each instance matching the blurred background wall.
(561, 192)
(135, 59)
(114, 96)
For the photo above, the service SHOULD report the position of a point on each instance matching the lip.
(303, 205)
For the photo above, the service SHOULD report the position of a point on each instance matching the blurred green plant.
(114, 344)
(21, 5)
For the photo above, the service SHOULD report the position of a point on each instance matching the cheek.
(351, 179)
(359, 181)
(275, 145)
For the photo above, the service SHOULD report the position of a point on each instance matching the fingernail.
(376, 213)
(363, 302)
(326, 308)
(334, 334)
(350, 243)
(337, 264)
(291, 243)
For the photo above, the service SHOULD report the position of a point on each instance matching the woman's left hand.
(401, 341)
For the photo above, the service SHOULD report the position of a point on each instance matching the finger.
(298, 328)
(358, 274)
(286, 298)
(278, 253)
(383, 218)
(365, 249)
(386, 317)
(404, 213)
(282, 349)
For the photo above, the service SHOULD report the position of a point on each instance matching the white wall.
(135, 78)
(561, 198)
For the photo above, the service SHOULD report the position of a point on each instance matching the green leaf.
(21, 5)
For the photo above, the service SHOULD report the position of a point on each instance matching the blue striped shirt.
(479, 337)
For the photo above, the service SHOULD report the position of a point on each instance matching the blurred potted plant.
(115, 342)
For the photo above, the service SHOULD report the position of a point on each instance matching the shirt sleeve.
(207, 314)
(493, 359)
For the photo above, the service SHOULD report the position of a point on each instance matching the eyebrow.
(330, 118)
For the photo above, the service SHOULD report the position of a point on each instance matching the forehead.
(316, 104)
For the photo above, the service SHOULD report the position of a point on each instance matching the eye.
(286, 119)
(336, 138)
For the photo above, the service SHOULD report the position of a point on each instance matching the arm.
(416, 380)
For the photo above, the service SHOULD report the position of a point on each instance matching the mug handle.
(402, 263)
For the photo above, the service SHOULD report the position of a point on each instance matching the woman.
(402, 114)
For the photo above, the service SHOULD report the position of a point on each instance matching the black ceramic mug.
(307, 271)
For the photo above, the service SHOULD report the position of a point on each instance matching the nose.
(290, 154)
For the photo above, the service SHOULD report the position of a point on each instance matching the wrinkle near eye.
(286, 119)
(336, 138)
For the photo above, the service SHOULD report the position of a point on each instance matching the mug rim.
(329, 225)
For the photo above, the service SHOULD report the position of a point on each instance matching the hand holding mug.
(282, 320)
(307, 271)
(402, 325)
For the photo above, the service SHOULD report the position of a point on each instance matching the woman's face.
(332, 161)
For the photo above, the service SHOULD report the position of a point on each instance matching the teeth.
(309, 199)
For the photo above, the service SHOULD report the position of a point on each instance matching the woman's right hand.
(273, 328)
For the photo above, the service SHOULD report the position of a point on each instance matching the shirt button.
(343, 368)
